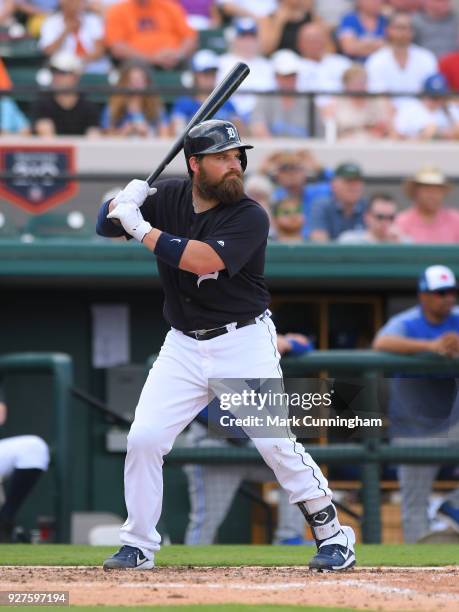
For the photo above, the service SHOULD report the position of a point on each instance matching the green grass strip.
(232, 555)
(225, 608)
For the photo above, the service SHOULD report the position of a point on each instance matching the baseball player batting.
(209, 239)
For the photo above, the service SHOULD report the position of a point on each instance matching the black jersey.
(238, 233)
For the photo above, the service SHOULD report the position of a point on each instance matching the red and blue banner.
(34, 176)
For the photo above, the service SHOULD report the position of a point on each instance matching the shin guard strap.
(324, 523)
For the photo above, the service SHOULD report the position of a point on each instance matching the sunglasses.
(288, 211)
(445, 292)
(381, 217)
(289, 168)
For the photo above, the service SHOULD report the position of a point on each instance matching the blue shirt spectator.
(186, 106)
(343, 208)
(12, 119)
(362, 31)
(423, 404)
(204, 65)
(130, 117)
(424, 409)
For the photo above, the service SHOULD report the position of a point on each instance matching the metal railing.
(60, 366)
(370, 453)
(169, 92)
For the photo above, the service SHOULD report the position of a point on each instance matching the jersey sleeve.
(238, 238)
(394, 327)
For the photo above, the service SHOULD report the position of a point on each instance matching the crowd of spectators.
(293, 47)
(309, 203)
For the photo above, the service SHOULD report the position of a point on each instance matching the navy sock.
(20, 484)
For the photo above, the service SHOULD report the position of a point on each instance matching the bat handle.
(154, 175)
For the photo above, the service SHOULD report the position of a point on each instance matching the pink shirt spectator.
(443, 229)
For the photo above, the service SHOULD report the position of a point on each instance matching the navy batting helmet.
(214, 136)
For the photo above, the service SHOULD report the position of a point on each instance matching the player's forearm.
(189, 255)
(2, 412)
(398, 344)
(200, 258)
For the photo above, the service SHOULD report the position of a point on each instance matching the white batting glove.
(135, 193)
(131, 219)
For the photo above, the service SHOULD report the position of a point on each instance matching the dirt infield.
(426, 589)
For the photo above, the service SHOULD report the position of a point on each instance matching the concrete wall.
(137, 158)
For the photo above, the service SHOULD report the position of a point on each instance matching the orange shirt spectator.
(153, 30)
(5, 81)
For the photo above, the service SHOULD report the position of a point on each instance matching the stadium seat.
(7, 228)
(164, 79)
(213, 39)
(58, 225)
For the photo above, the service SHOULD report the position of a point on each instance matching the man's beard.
(228, 190)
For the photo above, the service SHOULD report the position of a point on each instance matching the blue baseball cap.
(436, 84)
(437, 278)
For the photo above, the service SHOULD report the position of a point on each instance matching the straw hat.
(429, 175)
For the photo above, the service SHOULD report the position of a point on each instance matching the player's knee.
(150, 440)
(36, 451)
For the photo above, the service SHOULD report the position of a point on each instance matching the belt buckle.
(200, 332)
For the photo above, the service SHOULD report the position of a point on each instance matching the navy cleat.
(128, 557)
(450, 514)
(335, 554)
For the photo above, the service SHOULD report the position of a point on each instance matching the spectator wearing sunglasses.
(288, 220)
(423, 409)
(428, 220)
(379, 220)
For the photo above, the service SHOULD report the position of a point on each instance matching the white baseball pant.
(176, 390)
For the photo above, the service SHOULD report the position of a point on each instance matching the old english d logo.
(212, 275)
(33, 176)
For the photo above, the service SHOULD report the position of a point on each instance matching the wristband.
(169, 248)
(106, 227)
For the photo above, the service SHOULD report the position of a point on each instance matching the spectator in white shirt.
(245, 47)
(400, 66)
(429, 117)
(320, 70)
(80, 33)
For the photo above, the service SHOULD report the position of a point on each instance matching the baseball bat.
(208, 108)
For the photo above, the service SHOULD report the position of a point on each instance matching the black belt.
(208, 334)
